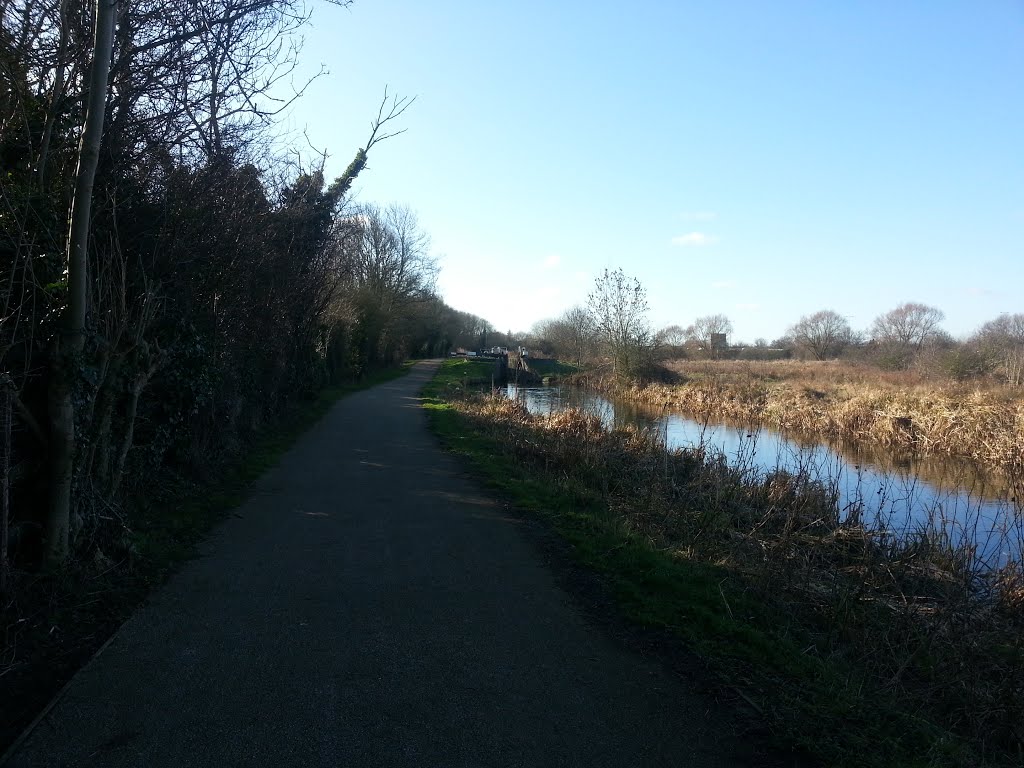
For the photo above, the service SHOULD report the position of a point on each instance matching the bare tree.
(1001, 341)
(705, 332)
(908, 327)
(581, 332)
(392, 260)
(671, 341)
(72, 341)
(388, 269)
(824, 334)
(618, 306)
(197, 79)
(570, 336)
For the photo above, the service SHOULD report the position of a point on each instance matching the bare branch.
(398, 106)
(341, 185)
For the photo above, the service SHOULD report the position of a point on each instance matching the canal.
(891, 492)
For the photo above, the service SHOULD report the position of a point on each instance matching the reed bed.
(901, 410)
(902, 643)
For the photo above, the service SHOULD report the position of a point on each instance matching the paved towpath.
(370, 606)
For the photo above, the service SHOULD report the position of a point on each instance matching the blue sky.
(762, 160)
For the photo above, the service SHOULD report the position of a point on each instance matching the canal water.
(894, 492)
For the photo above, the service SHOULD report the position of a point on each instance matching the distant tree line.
(911, 336)
(613, 327)
(170, 281)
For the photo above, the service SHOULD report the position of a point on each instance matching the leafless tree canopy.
(824, 334)
(673, 336)
(618, 308)
(909, 326)
(571, 336)
(1001, 342)
(704, 330)
(382, 258)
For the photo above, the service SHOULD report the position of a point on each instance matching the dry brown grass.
(844, 401)
(809, 372)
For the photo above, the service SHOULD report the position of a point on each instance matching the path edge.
(23, 736)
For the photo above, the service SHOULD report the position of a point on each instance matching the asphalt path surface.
(369, 605)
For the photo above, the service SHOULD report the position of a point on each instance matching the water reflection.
(893, 491)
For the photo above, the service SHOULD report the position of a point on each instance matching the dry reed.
(841, 401)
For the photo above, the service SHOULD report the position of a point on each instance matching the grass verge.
(462, 374)
(54, 622)
(861, 655)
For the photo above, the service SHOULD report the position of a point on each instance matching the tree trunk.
(5, 485)
(72, 333)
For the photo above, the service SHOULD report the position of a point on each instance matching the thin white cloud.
(748, 307)
(695, 239)
(552, 261)
(698, 215)
(723, 284)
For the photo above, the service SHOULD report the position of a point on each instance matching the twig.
(724, 600)
(747, 699)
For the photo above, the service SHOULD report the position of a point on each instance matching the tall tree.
(71, 342)
(618, 306)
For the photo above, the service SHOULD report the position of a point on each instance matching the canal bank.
(843, 646)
